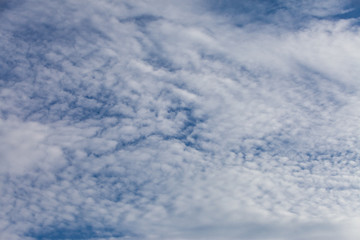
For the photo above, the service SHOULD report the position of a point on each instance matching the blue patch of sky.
(158, 61)
(77, 233)
(234, 7)
(44, 103)
(275, 12)
(242, 13)
(38, 34)
(134, 142)
(132, 185)
(156, 57)
(141, 20)
(6, 4)
(353, 11)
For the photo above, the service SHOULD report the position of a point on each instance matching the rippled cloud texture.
(176, 120)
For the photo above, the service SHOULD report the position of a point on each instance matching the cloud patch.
(149, 120)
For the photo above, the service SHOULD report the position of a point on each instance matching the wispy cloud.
(195, 120)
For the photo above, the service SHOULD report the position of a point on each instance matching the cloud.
(150, 120)
(24, 146)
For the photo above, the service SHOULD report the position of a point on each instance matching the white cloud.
(150, 120)
(23, 147)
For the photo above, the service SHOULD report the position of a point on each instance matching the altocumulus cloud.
(167, 120)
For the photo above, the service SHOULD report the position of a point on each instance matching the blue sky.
(156, 119)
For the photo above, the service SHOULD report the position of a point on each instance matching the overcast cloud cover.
(177, 120)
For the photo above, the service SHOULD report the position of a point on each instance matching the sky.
(179, 120)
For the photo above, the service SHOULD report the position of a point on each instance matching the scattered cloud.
(195, 120)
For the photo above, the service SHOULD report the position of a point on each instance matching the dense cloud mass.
(179, 120)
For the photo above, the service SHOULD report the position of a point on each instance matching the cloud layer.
(199, 120)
